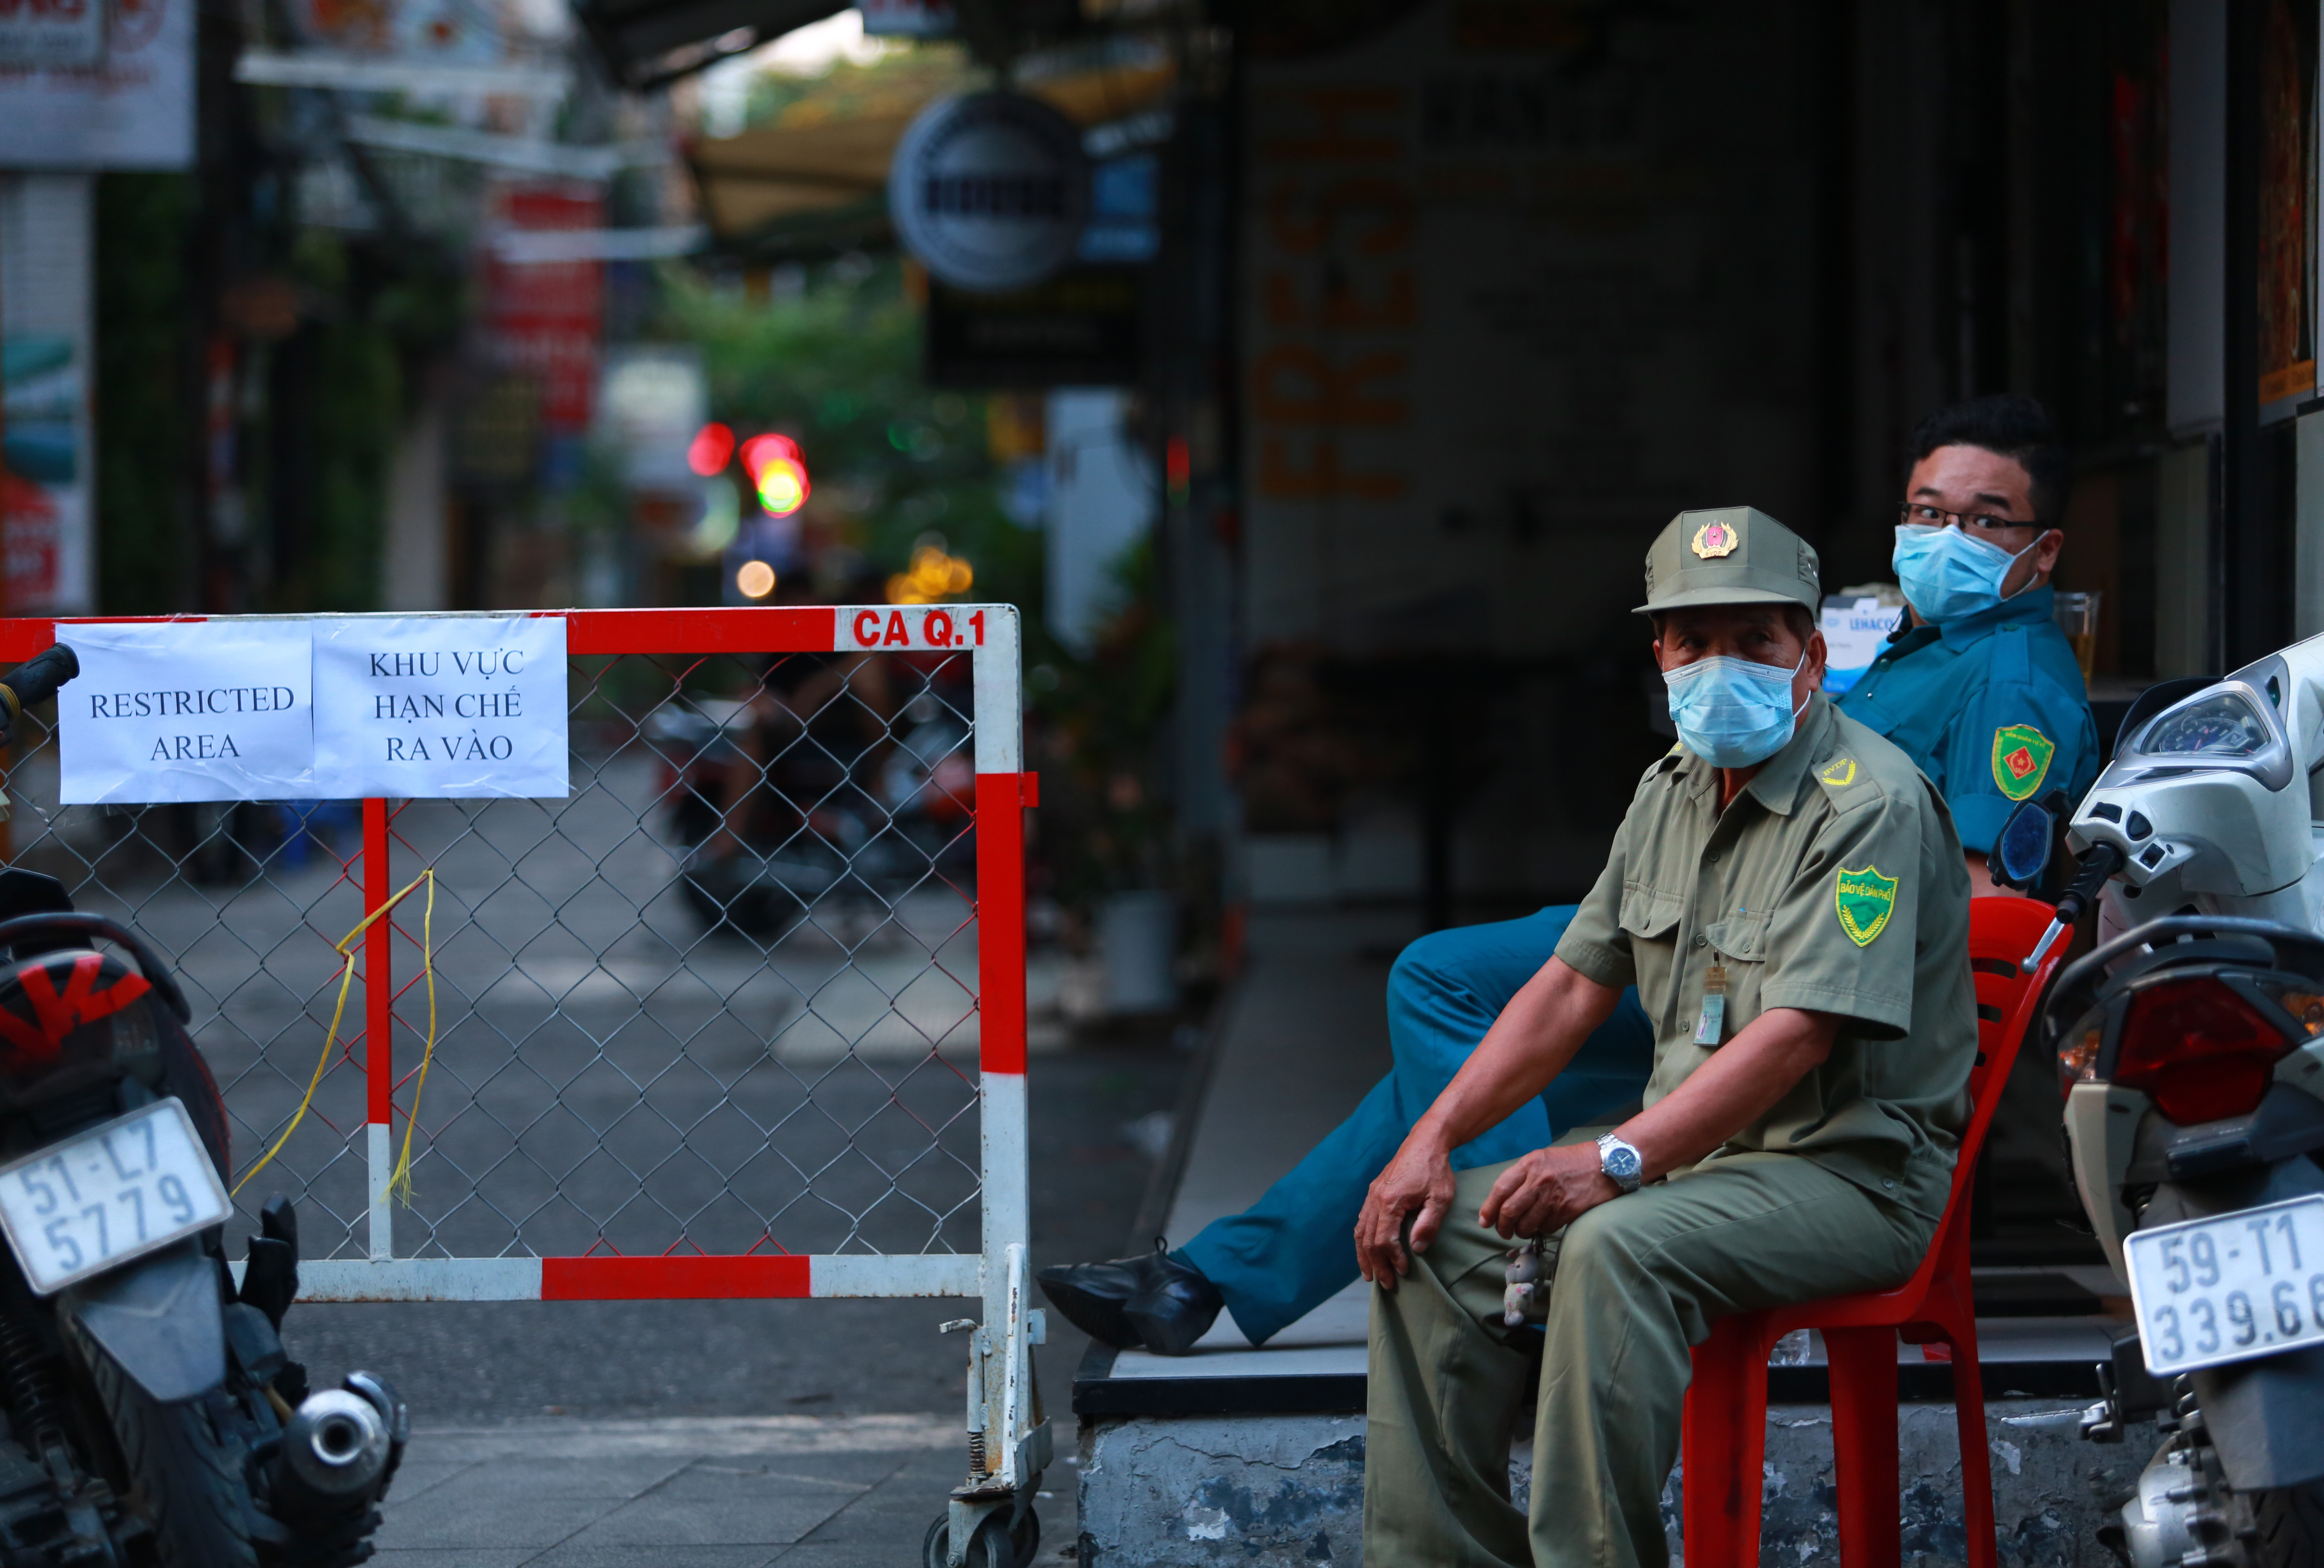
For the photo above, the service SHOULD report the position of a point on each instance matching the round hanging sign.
(990, 190)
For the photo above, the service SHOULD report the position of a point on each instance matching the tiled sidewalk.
(707, 1492)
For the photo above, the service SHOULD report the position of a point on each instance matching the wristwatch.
(1621, 1162)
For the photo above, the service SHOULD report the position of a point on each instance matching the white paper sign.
(187, 711)
(460, 705)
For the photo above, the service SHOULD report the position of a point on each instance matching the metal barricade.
(742, 1017)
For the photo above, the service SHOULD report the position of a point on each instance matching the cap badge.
(1715, 539)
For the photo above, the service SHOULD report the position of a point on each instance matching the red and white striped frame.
(988, 634)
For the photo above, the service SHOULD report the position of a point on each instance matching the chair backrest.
(2001, 932)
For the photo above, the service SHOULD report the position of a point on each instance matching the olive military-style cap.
(1733, 555)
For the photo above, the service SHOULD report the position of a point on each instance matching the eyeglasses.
(1913, 513)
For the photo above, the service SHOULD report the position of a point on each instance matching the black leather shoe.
(1173, 1312)
(1094, 1297)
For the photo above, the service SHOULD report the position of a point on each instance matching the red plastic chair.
(1726, 1429)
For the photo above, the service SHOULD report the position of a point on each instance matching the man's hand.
(1528, 1044)
(1417, 1182)
(1546, 1191)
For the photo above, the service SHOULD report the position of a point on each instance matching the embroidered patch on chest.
(2021, 757)
(1864, 899)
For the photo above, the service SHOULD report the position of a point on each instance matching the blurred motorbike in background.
(777, 814)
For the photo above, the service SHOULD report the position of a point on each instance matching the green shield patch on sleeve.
(1865, 900)
(2021, 759)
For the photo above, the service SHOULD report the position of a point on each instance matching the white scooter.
(2189, 1048)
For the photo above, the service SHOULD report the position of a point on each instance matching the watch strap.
(1607, 1143)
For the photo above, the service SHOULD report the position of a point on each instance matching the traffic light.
(712, 446)
(778, 471)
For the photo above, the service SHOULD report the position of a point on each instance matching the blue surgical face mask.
(1945, 573)
(1733, 712)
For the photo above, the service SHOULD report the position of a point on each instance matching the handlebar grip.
(2102, 862)
(35, 681)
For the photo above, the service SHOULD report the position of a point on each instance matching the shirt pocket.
(1651, 914)
(1740, 937)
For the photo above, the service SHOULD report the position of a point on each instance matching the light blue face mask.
(1945, 573)
(1733, 712)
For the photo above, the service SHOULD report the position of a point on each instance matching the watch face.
(1620, 1160)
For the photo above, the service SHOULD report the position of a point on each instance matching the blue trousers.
(1296, 1248)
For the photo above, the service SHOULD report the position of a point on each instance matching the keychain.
(1525, 1293)
(1714, 1006)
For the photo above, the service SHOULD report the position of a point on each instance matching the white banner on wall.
(187, 711)
(437, 708)
(416, 708)
(130, 107)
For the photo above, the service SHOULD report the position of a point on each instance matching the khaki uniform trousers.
(1637, 1282)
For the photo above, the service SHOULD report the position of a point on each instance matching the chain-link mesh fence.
(723, 999)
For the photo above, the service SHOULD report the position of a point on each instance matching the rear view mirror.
(2021, 853)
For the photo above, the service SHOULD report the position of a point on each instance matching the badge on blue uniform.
(2021, 757)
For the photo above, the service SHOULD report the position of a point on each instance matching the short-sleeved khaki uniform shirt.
(1834, 882)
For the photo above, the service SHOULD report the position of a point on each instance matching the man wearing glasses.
(1978, 686)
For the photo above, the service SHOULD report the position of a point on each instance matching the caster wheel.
(1025, 1538)
(989, 1547)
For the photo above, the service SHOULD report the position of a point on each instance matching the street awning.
(817, 173)
(644, 43)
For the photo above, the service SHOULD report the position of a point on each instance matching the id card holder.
(1714, 1006)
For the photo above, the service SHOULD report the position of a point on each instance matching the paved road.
(607, 1411)
(706, 1493)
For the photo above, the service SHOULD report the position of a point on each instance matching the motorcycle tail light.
(2077, 1062)
(2198, 1050)
(2305, 1007)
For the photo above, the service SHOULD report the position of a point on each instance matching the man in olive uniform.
(1789, 897)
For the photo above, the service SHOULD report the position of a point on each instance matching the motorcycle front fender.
(159, 1319)
(2266, 1420)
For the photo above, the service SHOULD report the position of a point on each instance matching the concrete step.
(1286, 1491)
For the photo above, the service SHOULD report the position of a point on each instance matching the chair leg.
(1976, 1451)
(1863, 1363)
(1724, 1445)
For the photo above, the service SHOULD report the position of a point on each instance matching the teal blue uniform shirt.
(1991, 705)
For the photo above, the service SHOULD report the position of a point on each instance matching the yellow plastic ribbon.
(400, 1182)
